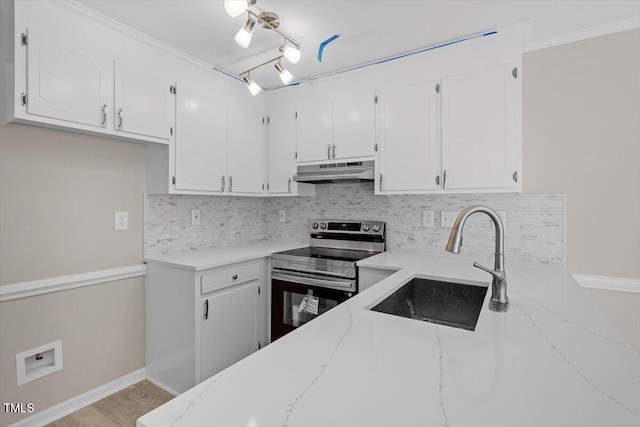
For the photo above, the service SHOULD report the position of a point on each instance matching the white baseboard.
(609, 283)
(62, 409)
(162, 386)
(587, 33)
(63, 283)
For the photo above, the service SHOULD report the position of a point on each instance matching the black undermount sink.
(436, 301)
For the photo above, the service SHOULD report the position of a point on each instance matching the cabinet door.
(478, 120)
(144, 102)
(229, 328)
(313, 130)
(66, 82)
(408, 138)
(281, 148)
(354, 126)
(245, 147)
(201, 140)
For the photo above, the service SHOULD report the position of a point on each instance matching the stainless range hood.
(336, 172)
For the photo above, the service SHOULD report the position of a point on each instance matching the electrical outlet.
(447, 218)
(427, 219)
(282, 215)
(121, 221)
(195, 217)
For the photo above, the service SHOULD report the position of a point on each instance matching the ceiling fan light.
(235, 7)
(243, 38)
(292, 53)
(253, 87)
(284, 74)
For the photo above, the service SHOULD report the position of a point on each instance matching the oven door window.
(298, 309)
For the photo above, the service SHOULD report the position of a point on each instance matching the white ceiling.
(368, 30)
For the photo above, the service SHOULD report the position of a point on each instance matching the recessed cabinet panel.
(66, 82)
(354, 124)
(144, 104)
(408, 125)
(229, 328)
(281, 148)
(313, 129)
(478, 138)
(245, 147)
(200, 140)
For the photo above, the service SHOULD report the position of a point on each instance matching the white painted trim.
(608, 283)
(162, 386)
(63, 283)
(587, 33)
(62, 409)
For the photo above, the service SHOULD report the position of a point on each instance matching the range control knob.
(366, 227)
(376, 228)
(323, 225)
(314, 225)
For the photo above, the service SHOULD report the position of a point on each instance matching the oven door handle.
(309, 281)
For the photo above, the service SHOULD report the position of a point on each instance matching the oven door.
(289, 296)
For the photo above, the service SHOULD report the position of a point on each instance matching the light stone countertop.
(211, 258)
(552, 359)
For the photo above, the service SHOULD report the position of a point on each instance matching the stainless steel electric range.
(306, 282)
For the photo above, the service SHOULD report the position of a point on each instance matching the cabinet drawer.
(229, 277)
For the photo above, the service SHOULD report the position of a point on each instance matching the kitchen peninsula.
(552, 359)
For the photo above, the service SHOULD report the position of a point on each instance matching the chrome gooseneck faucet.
(499, 301)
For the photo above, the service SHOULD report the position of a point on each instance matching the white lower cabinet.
(201, 322)
(229, 327)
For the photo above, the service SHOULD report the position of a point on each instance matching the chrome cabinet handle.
(289, 186)
(120, 116)
(206, 309)
(222, 186)
(438, 180)
(333, 155)
(444, 179)
(104, 116)
(230, 183)
(235, 277)
(328, 151)
(380, 182)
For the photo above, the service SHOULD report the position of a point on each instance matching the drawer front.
(229, 276)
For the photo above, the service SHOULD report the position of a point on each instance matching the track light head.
(236, 7)
(253, 87)
(243, 38)
(292, 53)
(284, 74)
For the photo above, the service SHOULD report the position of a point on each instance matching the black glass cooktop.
(329, 253)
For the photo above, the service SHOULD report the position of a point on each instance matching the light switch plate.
(427, 219)
(447, 218)
(121, 221)
(282, 215)
(195, 217)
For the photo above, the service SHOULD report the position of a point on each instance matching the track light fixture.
(253, 87)
(285, 75)
(270, 21)
(243, 38)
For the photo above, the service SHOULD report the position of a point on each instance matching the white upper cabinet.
(200, 140)
(354, 125)
(144, 102)
(246, 140)
(313, 127)
(281, 148)
(68, 83)
(408, 127)
(478, 129)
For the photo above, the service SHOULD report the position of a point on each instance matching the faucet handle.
(497, 274)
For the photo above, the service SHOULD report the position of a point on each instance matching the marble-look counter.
(216, 257)
(552, 359)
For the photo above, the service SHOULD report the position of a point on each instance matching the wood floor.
(120, 409)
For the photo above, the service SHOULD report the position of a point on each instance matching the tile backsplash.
(534, 228)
